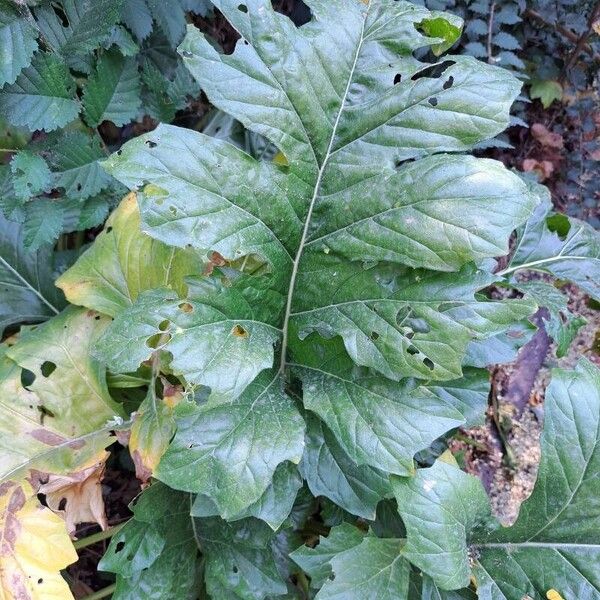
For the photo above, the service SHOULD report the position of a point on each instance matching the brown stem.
(582, 41)
(490, 58)
(570, 35)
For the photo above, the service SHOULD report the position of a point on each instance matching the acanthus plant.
(292, 332)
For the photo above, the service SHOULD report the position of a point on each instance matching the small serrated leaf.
(18, 42)
(31, 174)
(112, 93)
(42, 97)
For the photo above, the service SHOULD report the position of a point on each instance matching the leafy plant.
(301, 310)
(68, 68)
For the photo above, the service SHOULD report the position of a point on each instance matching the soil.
(510, 476)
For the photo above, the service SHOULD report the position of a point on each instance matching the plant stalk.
(98, 537)
(103, 593)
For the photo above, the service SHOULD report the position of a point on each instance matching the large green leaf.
(554, 544)
(376, 421)
(17, 42)
(273, 506)
(316, 561)
(27, 292)
(344, 231)
(330, 472)
(155, 554)
(295, 217)
(240, 560)
(372, 570)
(42, 97)
(204, 337)
(561, 246)
(229, 450)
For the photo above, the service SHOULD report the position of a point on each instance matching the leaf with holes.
(558, 245)
(354, 241)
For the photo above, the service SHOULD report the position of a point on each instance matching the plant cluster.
(67, 68)
(278, 318)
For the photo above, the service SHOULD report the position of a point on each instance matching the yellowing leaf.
(553, 595)
(57, 423)
(152, 430)
(34, 547)
(123, 261)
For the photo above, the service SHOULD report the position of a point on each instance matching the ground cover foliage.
(285, 316)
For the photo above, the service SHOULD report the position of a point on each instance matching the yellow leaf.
(553, 595)
(123, 261)
(281, 160)
(34, 547)
(448, 458)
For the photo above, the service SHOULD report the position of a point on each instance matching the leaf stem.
(98, 537)
(103, 593)
(536, 263)
(9, 150)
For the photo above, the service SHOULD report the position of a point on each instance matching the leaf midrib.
(292, 284)
(28, 285)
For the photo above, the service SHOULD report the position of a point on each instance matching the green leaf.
(316, 561)
(74, 158)
(375, 568)
(330, 472)
(562, 326)
(500, 348)
(157, 101)
(56, 423)
(219, 328)
(554, 542)
(88, 24)
(547, 91)
(17, 42)
(123, 262)
(273, 507)
(155, 554)
(400, 322)
(435, 504)
(112, 93)
(137, 16)
(31, 174)
(558, 245)
(443, 27)
(229, 451)
(27, 290)
(170, 18)
(376, 421)
(240, 559)
(42, 97)
(43, 223)
(469, 395)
